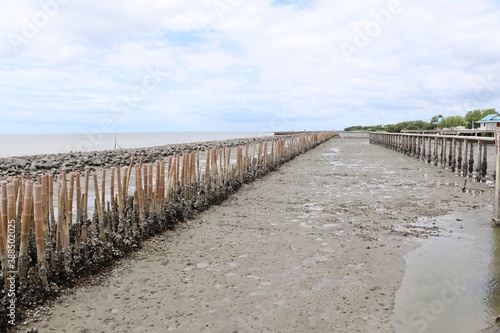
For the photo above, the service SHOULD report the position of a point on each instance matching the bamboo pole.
(39, 233)
(157, 185)
(112, 186)
(120, 192)
(25, 227)
(45, 207)
(145, 179)
(103, 188)
(130, 167)
(78, 198)
(140, 195)
(150, 185)
(70, 197)
(208, 152)
(85, 205)
(99, 209)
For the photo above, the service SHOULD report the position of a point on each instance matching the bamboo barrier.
(77, 238)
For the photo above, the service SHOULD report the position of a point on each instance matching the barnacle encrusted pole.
(25, 228)
(39, 233)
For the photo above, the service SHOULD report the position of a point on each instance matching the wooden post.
(496, 218)
(25, 228)
(98, 209)
(39, 233)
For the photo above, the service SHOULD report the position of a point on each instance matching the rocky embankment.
(35, 165)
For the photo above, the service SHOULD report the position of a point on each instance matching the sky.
(72, 66)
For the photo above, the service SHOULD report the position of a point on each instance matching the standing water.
(452, 282)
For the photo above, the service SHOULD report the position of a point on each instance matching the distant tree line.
(438, 121)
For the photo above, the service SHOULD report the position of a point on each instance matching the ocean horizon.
(33, 144)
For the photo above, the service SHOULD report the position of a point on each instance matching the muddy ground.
(317, 246)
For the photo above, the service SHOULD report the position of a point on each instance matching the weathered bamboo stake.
(126, 172)
(206, 174)
(25, 228)
(213, 170)
(103, 189)
(157, 185)
(140, 196)
(161, 186)
(39, 233)
(183, 171)
(120, 192)
(64, 223)
(150, 186)
(168, 185)
(177, 175)
(99, 209)
(112, 225)
(141, 199)
(220, 171)
(228, 162)
(45, 207)
(186, 165)
(264, 154)
(194, 173)
(247, 148)
(85, 207)
(198, 166)
(58, 225)
(130, 167)
(78, 198)
(112, 186)
(145, 179)
(70, 197)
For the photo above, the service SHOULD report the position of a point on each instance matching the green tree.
(471, 117)
(452, 121)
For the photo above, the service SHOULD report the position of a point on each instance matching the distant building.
(489, 122)
(440, 119)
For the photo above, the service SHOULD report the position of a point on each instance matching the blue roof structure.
(491, 118)
(438, 121)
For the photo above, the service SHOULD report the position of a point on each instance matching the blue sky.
(70, 66)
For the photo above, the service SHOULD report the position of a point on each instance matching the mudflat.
(317, 246)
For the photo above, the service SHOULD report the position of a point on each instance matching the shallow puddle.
(452, 282)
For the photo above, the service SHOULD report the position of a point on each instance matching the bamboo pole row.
(60, 235)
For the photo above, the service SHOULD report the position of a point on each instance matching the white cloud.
(241, 69)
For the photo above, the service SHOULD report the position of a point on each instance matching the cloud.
(228, 65)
